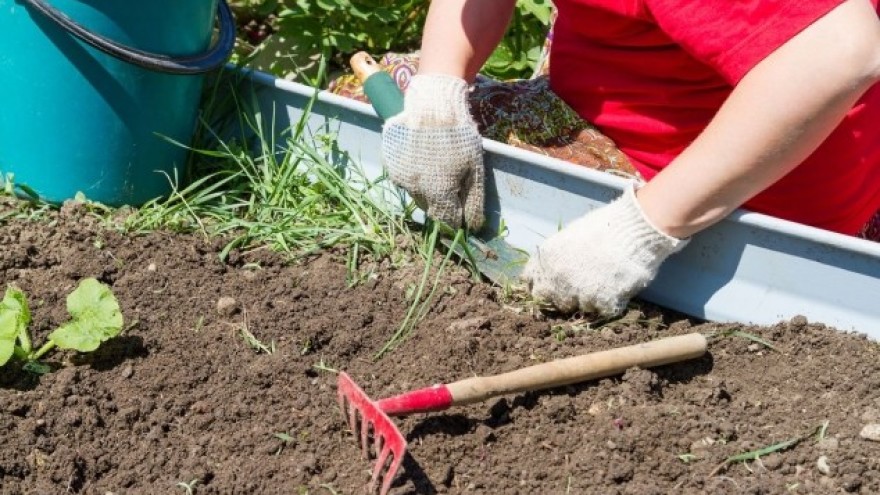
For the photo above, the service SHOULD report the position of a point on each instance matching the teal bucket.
(93, 90)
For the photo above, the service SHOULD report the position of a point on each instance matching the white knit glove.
(601, 260)
(433, 150)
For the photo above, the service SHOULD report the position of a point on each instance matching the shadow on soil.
(110, 355)
(114, 352)
(499, 414)
(459, 424)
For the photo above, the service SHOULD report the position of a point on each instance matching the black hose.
(197, 64)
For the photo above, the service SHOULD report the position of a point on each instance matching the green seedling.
(253, 342)
(306, 347)
(322, 366)
(95, 318)
(285, 441)
(200, 324)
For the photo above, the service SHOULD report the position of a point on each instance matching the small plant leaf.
(7, 336)
(14, 319)
(36, 368)
(284, 437)
(95, 318)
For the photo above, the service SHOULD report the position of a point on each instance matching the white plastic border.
(749, 268)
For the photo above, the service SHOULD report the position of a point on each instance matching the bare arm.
(778, 114)
(460, 35)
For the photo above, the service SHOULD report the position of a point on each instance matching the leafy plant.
(95, 318)
(306, 31)
(520, 50)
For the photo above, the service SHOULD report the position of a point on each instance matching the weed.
(733, 332)
(755, 455)
(285, 441)
(252, 341)
(820, 432)
(294, 191)
(420, 306)
(322, 366)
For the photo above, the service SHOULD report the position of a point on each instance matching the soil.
(180, 403)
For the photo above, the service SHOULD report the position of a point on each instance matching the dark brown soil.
(181, 396)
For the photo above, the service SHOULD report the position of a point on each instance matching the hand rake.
(366, 416)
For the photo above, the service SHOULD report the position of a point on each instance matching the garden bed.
(183, 403)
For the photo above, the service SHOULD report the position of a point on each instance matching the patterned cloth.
(525, 113)
(871, 231)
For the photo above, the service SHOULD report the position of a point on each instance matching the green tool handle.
(384, 94)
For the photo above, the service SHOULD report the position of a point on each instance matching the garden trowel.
(494, 258)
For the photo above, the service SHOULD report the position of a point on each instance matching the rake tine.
(350, 415)
(365, 436)
(386, 438)
(340, 398)
(352, 418)
(379, 442)
(381, 458)
(346, 408)
(391, 473)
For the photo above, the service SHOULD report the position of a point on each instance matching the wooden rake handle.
(556, 373)
(579, 368)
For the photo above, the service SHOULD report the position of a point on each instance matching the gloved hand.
(598, 262)
(433, 150)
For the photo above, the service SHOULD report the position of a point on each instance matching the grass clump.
(294, 191)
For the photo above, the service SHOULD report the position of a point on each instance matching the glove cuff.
(436, 100)
(637, 235)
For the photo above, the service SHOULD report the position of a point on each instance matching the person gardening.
(773, 106)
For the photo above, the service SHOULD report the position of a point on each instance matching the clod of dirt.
(227, 306)
(641, 382)
(461, 326)
(822, 465)
(871, 432)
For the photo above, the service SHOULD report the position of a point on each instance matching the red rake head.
(359, 410)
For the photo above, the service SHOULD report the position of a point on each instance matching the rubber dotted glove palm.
(601, 260)
(433, 150)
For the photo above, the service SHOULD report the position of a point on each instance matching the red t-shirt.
(651, 74)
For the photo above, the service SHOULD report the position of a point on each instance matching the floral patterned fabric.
(523, 113)
(872, 229)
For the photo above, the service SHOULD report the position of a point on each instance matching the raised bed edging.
(749, 268)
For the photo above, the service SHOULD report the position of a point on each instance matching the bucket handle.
(197, 64)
